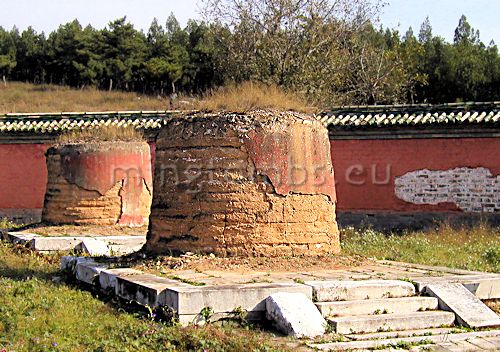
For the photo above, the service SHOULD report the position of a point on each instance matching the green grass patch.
(7, 224)
(39, 312)
(464, 248)
(186, 281)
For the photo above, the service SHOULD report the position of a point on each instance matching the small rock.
(56, 279)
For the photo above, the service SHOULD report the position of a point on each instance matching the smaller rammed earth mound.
(259, 183)
(98, 177)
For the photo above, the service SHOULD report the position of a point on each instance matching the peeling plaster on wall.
(471, 189)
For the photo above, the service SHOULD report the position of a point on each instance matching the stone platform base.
(188, 292)
(118, 245)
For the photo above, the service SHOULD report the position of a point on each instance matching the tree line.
(328, 51)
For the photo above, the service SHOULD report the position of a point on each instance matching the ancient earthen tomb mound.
(98, 183)
(255, 184)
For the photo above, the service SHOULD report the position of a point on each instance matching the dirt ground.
(202, 263)
(494, 305)
(73, 230)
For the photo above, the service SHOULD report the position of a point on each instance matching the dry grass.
(19, 97)
(101, 134)
(22, 97)
(249, 96)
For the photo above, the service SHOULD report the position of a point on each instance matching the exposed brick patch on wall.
(379, 159)
(471, 189)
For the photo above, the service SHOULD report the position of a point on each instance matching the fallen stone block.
(294, 314)
(117, 250)
(124, 240)
(483, 286)
(94, 247)
(469, 309)
(107, 277)
(123, 245)
(486, 288)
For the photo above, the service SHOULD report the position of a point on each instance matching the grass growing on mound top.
(249, 96)
(38, 312)
(101, 134)
(475, 248)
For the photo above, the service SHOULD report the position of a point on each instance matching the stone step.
(404, 342)
(377, 306)
(405, 333)
(391, 322)
(329, 291)
(470, 311)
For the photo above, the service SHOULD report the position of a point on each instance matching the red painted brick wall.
(23, 176)
(365, 170)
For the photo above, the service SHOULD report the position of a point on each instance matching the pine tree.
(7, 54)
(124, 51)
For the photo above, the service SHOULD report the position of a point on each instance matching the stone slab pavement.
(484, 285)
(108, 244)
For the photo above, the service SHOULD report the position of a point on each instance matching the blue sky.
(47, 15)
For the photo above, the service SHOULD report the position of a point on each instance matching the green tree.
(31, 56)
(73, 55)
(124, 51)
(7, 54)
(412, 52)
(425, 35)
(468, 62)
(168, 54)
(201, 73)
(492, 67)
(465, 34)
(377, 71)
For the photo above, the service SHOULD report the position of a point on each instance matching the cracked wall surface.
(243, 185)
(98, 184)
(472, 190)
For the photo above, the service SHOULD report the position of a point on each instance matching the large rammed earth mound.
(252, 184)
